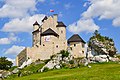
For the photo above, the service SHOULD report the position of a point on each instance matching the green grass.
(33, 68)
(102, 71)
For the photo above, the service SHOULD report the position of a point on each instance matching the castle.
(49, 39)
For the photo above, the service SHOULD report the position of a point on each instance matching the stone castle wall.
(77, 49)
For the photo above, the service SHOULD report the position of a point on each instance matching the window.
(83, 45)
(83, 52)
(74, 45)
(56, 46)
(61, 31)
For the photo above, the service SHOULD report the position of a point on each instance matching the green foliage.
(71, 61)
(12, 68)
(45, 69)
(5, 64)
(46, 61)
(64, 53)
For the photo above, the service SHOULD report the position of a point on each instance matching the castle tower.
(61, 27)
(76, 44)
(36, 34)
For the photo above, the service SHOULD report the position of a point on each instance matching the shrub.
(71, 61)
(46, 61)
(45, 69)
(64, 53)
(12, 68)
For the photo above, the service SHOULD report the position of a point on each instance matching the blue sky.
(80, 16)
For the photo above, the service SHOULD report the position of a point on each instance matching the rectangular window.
(74, 45)
(83, 45)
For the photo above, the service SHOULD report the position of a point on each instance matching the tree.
(64, 53)
(5, 64)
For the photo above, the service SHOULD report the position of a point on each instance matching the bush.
(64, 65)
(71, 61)
(64, 53)
(45, 69)
(12, 68)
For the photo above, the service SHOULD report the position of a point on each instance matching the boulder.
(16, 70)
(114, 59)
(6, 74)
(101, 58)
(26, 63)
(0, 75)
(57, 67)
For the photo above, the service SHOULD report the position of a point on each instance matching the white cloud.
(104, 9)
(22, 25)
(9, 40)
(17, 8)
(67, 6)
(101, 9)
(116, 22)
(83, 25)
(14, 50)
(12, 60)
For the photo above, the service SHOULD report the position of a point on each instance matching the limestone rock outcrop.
(101, 45)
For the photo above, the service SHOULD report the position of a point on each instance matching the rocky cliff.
(101, 45)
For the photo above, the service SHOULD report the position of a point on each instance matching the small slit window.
(61, 31)
(83, 52)
(83, 45)
(74, 45)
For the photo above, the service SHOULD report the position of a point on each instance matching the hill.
(98, 71)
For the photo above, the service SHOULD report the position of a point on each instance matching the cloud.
(14, 50)
(22, 25)
(17, 8)
(12, 60)
(100, 9)
(9, 40)
(104, 9)
(83, 25)
(116, 22)
(67, 6)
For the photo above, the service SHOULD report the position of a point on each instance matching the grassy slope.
(104, 71)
